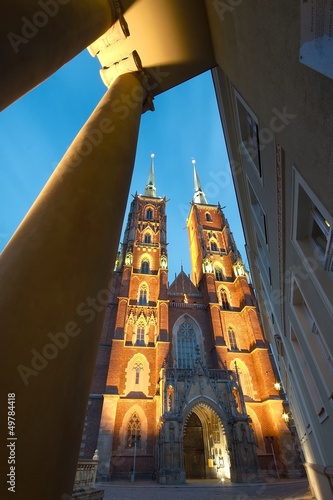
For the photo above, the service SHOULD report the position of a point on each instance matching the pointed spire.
(150, 189)
(199, 195)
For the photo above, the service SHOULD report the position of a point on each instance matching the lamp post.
(270, 440)
(135, 440)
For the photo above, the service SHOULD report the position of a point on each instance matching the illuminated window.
(232, 339)
(213, 246)
(137, 367)
(140, 334)
(186, 345)
(219, 274)
(145, 267)
(224, 299)
(147, 238)
(143, 295)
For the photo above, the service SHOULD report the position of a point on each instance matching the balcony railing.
(85, 480)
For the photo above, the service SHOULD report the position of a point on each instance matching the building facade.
(184, 379)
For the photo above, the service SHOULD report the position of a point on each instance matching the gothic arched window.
(186, 345)
(218, 274)
(224, 299)
(137, 367)
(140, 334)
(149, 214)
(143, 295)
(145, 267)
(208, 217)
(133, 431)
(232, 338)
(213, 246)
(147, 238)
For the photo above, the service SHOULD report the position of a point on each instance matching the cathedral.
(184, 384)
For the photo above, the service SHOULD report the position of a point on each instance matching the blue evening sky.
(38, 128)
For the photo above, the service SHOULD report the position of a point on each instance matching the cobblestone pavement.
(206, 490)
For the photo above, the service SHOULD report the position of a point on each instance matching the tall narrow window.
(145, 267)
(232, 338)
(133, 431)
(186, 345)
(140, 334)
(143, 295)
(219, 274)
(208, 217)
(147, 238)
(249, 134)
(137, 367)
(224, 299)
(149, 214)
(213, 246)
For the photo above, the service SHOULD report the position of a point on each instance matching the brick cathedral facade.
(184, 378)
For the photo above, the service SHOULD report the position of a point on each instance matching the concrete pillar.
(40, 36)
(54, 275)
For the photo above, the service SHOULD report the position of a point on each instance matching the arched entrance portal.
(194, 456)
(205, 447)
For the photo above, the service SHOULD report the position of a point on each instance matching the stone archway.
(193, 449)
(205, 448)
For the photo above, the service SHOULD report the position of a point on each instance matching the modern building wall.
(277, 119)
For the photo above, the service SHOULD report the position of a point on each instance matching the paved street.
(206, 490)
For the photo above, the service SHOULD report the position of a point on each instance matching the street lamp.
(135, 440)
(270, 440)
(277, 386)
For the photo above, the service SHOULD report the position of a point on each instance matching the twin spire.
(150, 189)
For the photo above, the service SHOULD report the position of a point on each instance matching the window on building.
(232, 339)
(249, 134)
(313, 227)
(145, 268)
(143, 295)
(224, 299)
(208, 217)
(186, 345)
(147, 238)
(318, 350)
(137, 367)
(258, 212)
(149, 214)
(140, 334)
(219, 274)
(213, 246)
(133, 431)
(215, 428)
(310, 383)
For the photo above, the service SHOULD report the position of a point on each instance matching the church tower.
(184, 384)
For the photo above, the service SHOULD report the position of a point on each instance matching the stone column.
(54, 274)
(38, 37)
(105, 435)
